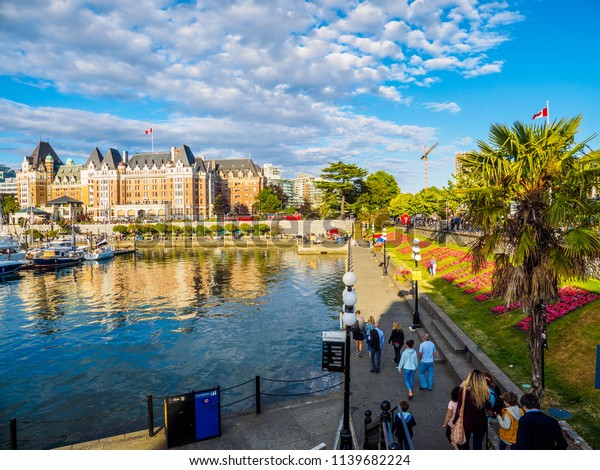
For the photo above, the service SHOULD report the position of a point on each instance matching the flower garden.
(454, 267)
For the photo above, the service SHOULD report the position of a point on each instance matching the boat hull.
(49, 263)
(10, 267)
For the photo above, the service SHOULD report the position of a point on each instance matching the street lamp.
(417, 257)
(349, 319)
(384, 252)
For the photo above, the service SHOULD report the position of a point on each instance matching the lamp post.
(417, 257)
(349, 319)
(384, 252)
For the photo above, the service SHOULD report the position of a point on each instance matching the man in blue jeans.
(427, 354)
(376, 345)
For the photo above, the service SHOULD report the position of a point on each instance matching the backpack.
(497, 402)
(374, 340)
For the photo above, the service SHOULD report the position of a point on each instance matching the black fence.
(16, 433)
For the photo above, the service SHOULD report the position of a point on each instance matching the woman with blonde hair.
(475, 393)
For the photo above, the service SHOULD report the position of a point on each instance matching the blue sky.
(294, 83)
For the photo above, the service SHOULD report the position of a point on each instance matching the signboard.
(416, 274)
(333, 351)
(208, 413)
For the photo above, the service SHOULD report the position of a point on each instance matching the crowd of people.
(474, 404)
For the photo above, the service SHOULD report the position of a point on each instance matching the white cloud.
(449, 106)
(271, 77)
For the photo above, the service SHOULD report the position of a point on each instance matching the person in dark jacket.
(538, 431)
(399, 429)
(396, 340)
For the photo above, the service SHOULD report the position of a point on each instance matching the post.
(384, 252)
(416, 256)
(257, 383)
(346, 435)
(13, 433)
(150, 416)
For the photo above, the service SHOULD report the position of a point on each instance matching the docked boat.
(57, 258)
(10, 249)
(11, 266)
(102, 251)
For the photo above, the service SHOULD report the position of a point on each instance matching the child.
(402, 418)
(509, 421)
(450, 415)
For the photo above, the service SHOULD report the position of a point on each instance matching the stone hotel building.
(160, 185)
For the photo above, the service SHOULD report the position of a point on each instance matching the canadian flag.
(543, 113)
(149, 131)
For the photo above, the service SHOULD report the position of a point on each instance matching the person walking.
(376, 343)
(538, 431)
(427, 354)
(358, 333)
(450, 412)
(475, 394)
(408, 365)
(404, 421)
(396, 340)
(368, 327)
(509, 421)
(433, 266)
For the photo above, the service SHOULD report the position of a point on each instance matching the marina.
(97, 337)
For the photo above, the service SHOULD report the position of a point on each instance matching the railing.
(379, 435)
(15, 441)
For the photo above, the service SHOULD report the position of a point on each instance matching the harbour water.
(81, 348)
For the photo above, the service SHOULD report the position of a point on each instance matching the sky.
(294, 83)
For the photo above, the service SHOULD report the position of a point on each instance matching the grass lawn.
(570, 359)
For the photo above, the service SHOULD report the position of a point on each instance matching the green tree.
(344, 180)
(378, 190)
(9, 206)
(528, 192)
(221, 205)
(400, 205)
(267, 201)
(278, 191)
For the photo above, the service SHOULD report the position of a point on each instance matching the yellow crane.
(424, 158)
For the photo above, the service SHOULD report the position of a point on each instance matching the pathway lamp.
(416, 255)
(349, 319)
(384, 252)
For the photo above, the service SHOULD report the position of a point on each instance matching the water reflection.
(165, 322)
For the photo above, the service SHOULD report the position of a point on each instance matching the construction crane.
(424, 158)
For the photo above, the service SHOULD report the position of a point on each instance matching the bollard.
(150, 416)
(385, 418)
(13, 434)
(257, 381)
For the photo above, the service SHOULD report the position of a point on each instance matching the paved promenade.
(308, 422)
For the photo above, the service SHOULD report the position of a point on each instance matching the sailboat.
(12, 257)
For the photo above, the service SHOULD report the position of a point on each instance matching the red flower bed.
(501, 309)
(483, 297)
(571, 298)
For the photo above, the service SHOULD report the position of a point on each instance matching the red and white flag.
(148, 131)
(542, 114)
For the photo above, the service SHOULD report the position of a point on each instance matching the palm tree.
(528, 191)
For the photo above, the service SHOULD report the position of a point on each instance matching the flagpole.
(152, 134)
(548, 114)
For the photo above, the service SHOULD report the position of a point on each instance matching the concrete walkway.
(306, 423)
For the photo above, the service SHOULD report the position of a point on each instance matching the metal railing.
(133, 413)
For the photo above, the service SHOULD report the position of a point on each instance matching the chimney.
(173, 154)
(125, 154)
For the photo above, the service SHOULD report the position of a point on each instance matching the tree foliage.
(342, 180)
(528, 191)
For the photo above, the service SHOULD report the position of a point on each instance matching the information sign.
(333, 351)
(416, 274)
